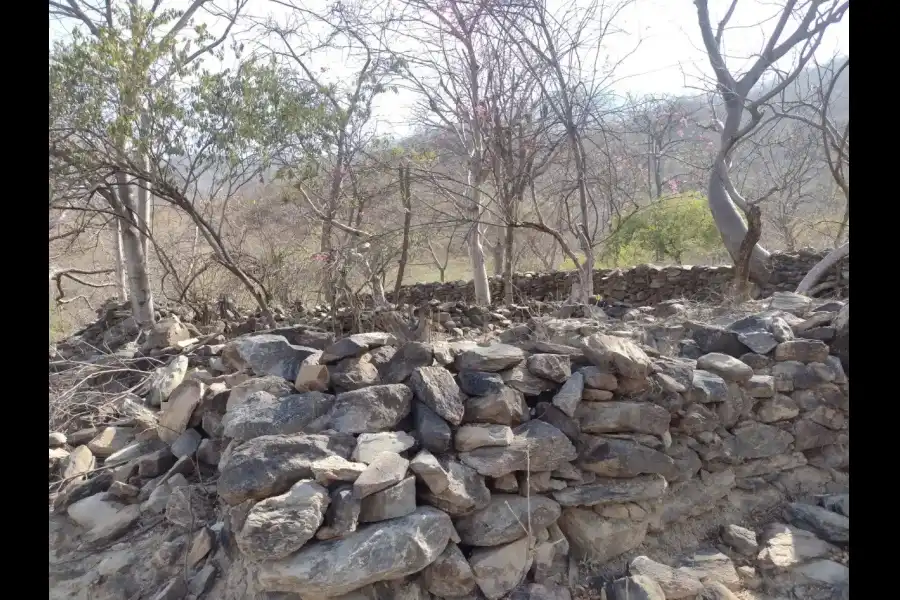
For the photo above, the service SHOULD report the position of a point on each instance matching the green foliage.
(672, 228)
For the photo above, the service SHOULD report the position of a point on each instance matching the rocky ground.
(534, 452)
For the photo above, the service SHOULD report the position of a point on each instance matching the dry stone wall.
(640, 285)
(360, 468)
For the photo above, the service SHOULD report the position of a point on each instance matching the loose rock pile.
(362, 468)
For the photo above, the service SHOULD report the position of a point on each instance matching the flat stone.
(243, 391)
(674, 584)
(599, 379)
(493, 358)
(613, 491)
(825, 571)
(727, 367)
(784, 547)
(808, 435)
(613, 417)
(80, 461)
(470, 437)
(504, 407)
(187, 443)
(804, 351)
(396, 501)
(465, 492)
(436, 388)
(355, 345)
(165, 379)
(110, 440)
(270, 465)
(779, 408)
(500, 522)
(536, 446)
(712, 566)
(369, 445)
(796, 304)
(480, 383)
(266, 354)
(828, 525)
(623, 355)
(568, 397)
(371, 409)
(430, 471)
(614, 457)
(332, 469)
(597, 539)
(758, 440)
(384, 551)
(176, 414)
(741, 539)
(279, 526)
(553, 367)
(387, 469)
(839, 503)
(707, 387)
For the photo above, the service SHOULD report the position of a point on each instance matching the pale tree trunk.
(816, 273)
(499, 251)
(724, 211)
(509, 248)
(144, 198)
(377, 290)
(476, 245)
(121, 281)
(135, 260)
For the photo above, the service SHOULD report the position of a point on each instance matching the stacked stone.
(468, 471)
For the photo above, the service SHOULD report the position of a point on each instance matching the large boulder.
(372, 409)
(384, 551)
(264, 414)
(266, 354)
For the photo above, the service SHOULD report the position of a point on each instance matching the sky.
(660, 48)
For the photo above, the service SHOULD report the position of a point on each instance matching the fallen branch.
(819, 270)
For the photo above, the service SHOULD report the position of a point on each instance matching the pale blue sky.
(668, 57)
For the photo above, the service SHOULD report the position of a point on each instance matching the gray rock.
(808, 435)
(281, 525)
(674, 584)
(369, 445)
(613, 491)
(707, 387)
(165, 379)
(450, 574)
(829, 572)
(760, 386)
(493, 358)
(716, 591)
(712, 566)
(839, 503)
(758, 440)
(271, 464)
(465, 492)
(353, 373)
(569, 396)
(504, 407)
(266, 354)
(500, 569)
(804, 351)
(828, 525)
(409, 357)
(175, 415)
(500, 522)
(539, 591)
(548, 413)
(622, 355)
(355, 345)
(613, 417)
(371, 409)
(264, 414)
(432, 432)
(186, 444)
(388, 550)
(796, 304)
(342, 516)
(695, 496)
(554, 367)
(536, 446)
(784, 547)
(741, 539)
(635, 587)
(712, 338)
(332, 469)
(521, 379)
(841, 343)
(779, 408)
(388, 468)
(727, 367)
(242, 392)
(761, 342)
(595, 538)
(480, 383)
(398, 500)
(599, 379)
(430, 471)
(436, 388)
(614, 457)
(470, 437)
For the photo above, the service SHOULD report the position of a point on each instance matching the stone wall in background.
(640, 285)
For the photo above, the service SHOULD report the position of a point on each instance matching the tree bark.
(139, 290)
(509, 248)
(743, 261)
(121, 281)
(819, 270)
(499, 250)
(407, 223)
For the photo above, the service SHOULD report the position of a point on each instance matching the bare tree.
(812, 18)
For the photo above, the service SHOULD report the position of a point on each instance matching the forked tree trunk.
(743, 261)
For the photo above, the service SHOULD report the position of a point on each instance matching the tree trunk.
(509, 247)
(378, 290)
(476, 245)
(742, 264)
(121, 281)
(135, 260)
(725, 213)
(407, 223)
(819, 270)
(144, 198)
(499, 250)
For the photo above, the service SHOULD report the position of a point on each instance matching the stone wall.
(360, 469)
(640, 285)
